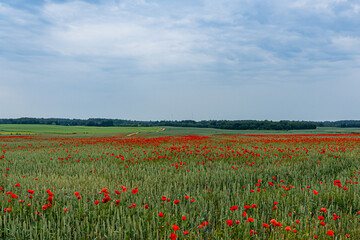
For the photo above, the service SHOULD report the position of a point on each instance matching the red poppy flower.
(205, 223)
(184, 218)
(233, 208)
(330, 233)
(176, 227)
(173, 236)
(161, 214)
(250, 220)
(49, 192)
(265, 225)
(229, 222)
(252, 232)
(288, 228)
(185, 232)
(96, 202)
(176, 201)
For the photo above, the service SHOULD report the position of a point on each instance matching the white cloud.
(15, 16)
(240, 53)
(347, 44)
(82, 29)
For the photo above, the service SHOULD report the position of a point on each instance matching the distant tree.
(91, 124)
(107, 123)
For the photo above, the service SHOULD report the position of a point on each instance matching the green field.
(212, 131)
(180, 187)
(26, 129)
(18, 129)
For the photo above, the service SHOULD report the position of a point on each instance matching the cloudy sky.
(189, 59)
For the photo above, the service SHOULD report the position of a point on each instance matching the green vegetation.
(169, 131)
(227, 187)
(219, 124)
(27, 129)
(16, 129)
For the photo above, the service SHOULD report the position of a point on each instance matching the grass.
(17, 129)
(16, 133)
(217, 172)
(169, 131)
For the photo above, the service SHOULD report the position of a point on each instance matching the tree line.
(220, 124)
(341, 124)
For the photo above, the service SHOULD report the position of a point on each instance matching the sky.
(177, 60)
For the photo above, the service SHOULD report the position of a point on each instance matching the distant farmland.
(18, 129)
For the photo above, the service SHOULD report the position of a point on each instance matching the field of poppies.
(180, 187)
